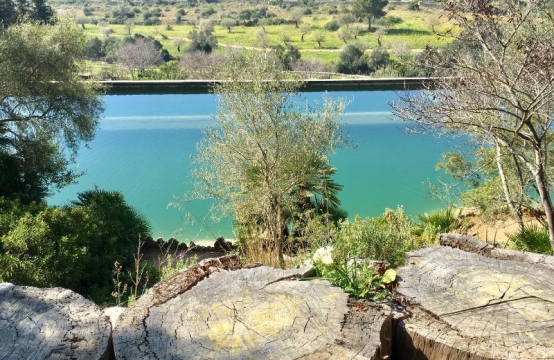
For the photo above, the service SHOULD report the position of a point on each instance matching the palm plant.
(439, 221)
(319, 196)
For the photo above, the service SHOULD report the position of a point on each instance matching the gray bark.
(468, 306)
(50, 324)
(254, 313)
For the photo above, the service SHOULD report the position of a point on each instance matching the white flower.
(327, 259)
(323, 255)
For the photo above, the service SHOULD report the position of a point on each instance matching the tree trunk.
(369, 23)
(51, 324)
(516, 212)
(464, 305)
(544, 194)
(279, 236)
(210, 312)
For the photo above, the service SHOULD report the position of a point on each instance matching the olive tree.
(264, 149)
(46, 110)
(502, 95)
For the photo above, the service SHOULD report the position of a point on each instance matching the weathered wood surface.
(467, 306)
(473, 245)
(50, 324)
(255, 313)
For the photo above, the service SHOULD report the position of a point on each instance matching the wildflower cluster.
(354, 276)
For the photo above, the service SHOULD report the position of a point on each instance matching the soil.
(495, 232)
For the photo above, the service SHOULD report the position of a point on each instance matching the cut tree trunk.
(50, 324)
(464, 305)
(211, 312)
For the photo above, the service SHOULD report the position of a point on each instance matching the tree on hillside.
(319, 37)
(369, 9)
(347, 19)
(46, 111)
(138, 56)
(502, 96)
(296, 16)
(345, 34)
(264, 148)
(304, 29)
(202, 40)
(228, 23)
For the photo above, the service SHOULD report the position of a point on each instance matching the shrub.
(72, 246)
(175, 264)
(413, 5)
(332, 25)
(378, 59)
(385, 238)
(208, 12)
(352, 61)
(439, 221)
(532, 238)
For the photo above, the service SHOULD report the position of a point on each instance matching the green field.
(413, 29)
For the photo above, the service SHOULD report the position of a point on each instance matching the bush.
(352, 61)
(208, 12)
(385, 238)
(332, 25)
(413, 5)
(72, 246)
(439, 221)
(532, 238)
(378, 59)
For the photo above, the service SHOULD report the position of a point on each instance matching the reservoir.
(144, 146)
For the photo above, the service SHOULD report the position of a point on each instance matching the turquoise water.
(144, 145)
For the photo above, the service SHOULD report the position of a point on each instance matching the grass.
(414, 29)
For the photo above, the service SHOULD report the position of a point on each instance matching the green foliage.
(332, 25)
(12, 12)
(379, 58)
(46, 111)
(201, 41)
(533, 238)
(352, 61)
(264, 147)
(175, 264)
(439, 221)
(354, 276)
(72, 246)
(384, 238)
(413, 5)
(369, 9)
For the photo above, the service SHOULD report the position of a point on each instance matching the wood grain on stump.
(50, 324)
(465, 305)
(255, 313)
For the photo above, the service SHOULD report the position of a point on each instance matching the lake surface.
(144, 145)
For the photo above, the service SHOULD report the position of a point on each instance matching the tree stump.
(247, 313)
(467, 306)
(50, 324)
